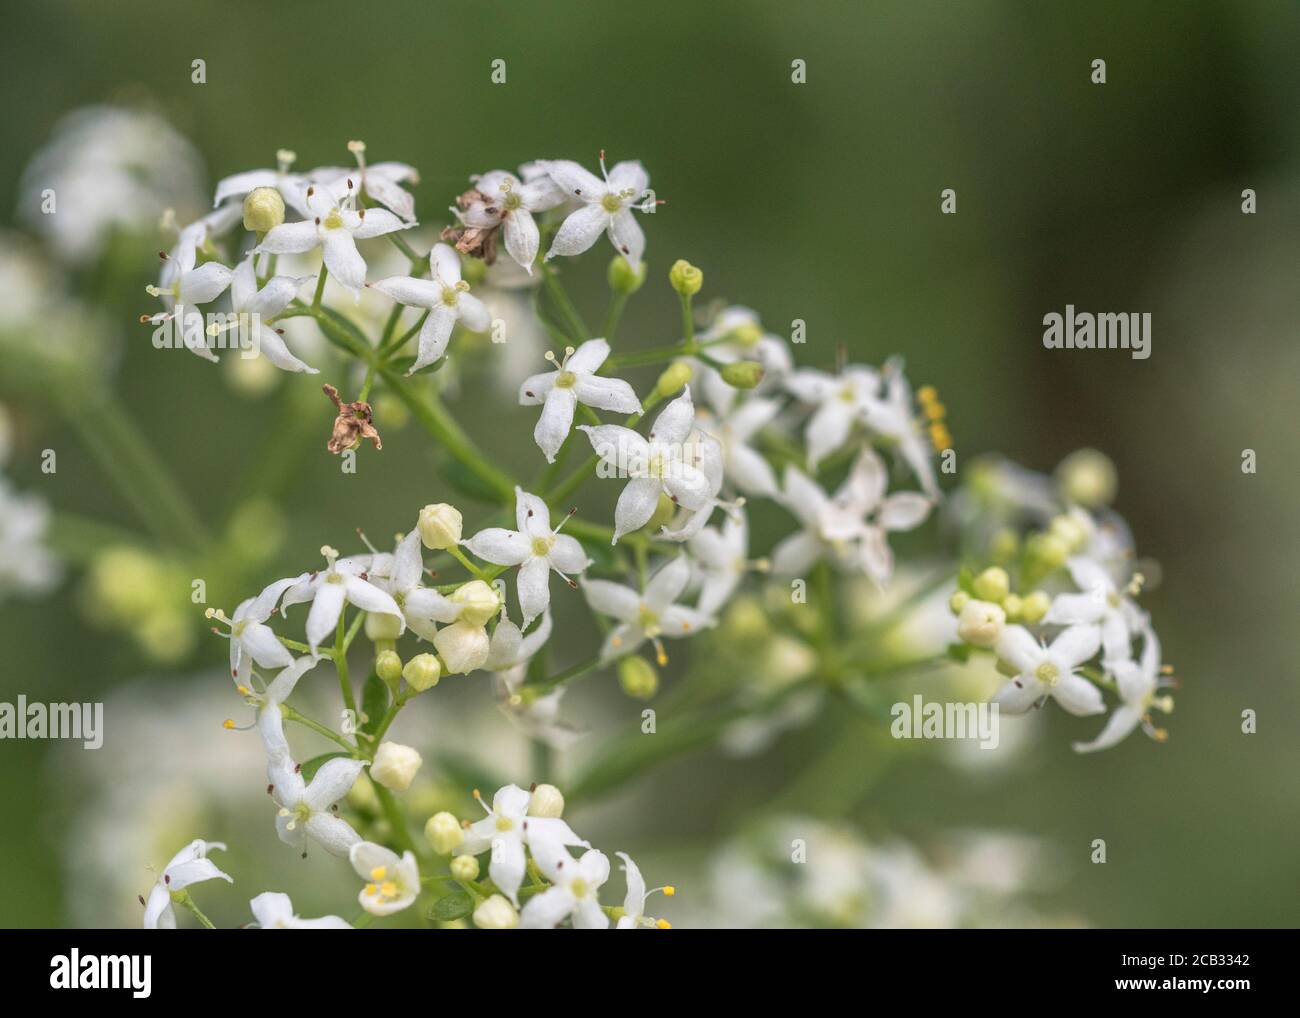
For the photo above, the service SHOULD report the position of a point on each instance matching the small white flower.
(840, 400)
(26, 565)
(335, 225)
(421, 606)
(634, 903)
(647, 615)
(745, 468)
(182, 287)
(893, 418)
(342, 580)
(270, 719)
(382, 181)
(305, 809)
(1049, 671)
(902, 510)
(274, 911)
(662, 463)
(247, 300)
(188, 866)
(1138, 683)
(737, 334)
(606, 206)
(574, 892)
(505, 831)
(251, 639)
(573, 381)
(509, 203)
(535, 548)
(392, 881)
(447, 298)
(706, 453)
(721, 558)
(1102, 603)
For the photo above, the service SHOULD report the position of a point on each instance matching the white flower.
(305, 810)
(511, 649)
(575, 886)
(840, 400)
(342, 580)
(742, 466)
(506, 830)
(508, 660)
(335, 226)
(251, 639)
(721, 558)
(392, 881)
(838, 527)
(247, 300)
(1138, 682)
(664, 462)
(510, 203)
(395, 766)
(188, 866)
(274, 911)
(737, 334)
(182, 286)
(382, 181)
(292, 186)
(447, 298)
(535, 548)
(421, 606)
(892, 417)
(634, 902)
(648, 615)
(607, 205)
(705, 452)
(1101, 603)
(270, 719)
(1049, 671)
(573, 381)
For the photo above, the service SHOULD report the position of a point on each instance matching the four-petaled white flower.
(607, 206)
(1138, 682)
(392, 881)
(662, 463)
(335, 226)
(342, 580)
(1049, 671)
(246, 300)
(305, 809)
(182, 287)
(270, 719)
(446, 297)
(505, 831)
(274, 911)
(535, 548)
(251, 639)
(721, 559)
(1102, 603)
(883, 513)
(575, 885)
(509, 202)
(647, 615)
(840, 400)
(573, 381)
(382, 181)
(188, 866)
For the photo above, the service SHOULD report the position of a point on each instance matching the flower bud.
(464, 867)
(462, 647)
(992, 585)
(422, 672)
(444, 833)
(746, 334)
(1034, 607)
(547, 801)
(623, 278)
(388, 666)
(685, 278)
(263, 210)
(1012, 605)
(495, 913)
(1046, 553)
(638, 677)
(395, 766)
(1088, 477)
(980, 623)
(1069, 531)
(1004, 546)
(742, 374)
(479, 602)
(382, 626)
(673, 377)
(958, 601)
(440, 526)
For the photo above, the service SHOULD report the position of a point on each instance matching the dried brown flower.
(353, 424)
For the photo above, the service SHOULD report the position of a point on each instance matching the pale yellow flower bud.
(263, 210)
(422, 672)
(980, 623)
(440, 526)
(547, 801)
(496, 913)
(395, 766)
(462, 646)
(444, 833)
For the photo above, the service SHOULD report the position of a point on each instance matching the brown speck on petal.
(353, 424)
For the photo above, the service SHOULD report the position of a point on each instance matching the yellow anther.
(663, 924)
(371, 889)
(228, 724)
(388, 889)
(243, 690)
(669, 890)
(379, 872)
(661, 658)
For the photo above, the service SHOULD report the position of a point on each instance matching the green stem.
(320, 287)
(575, 327)
(474, 570)
(291, 714)
(396, 818)
(183, 899)
(617, 302)
(341, 663)
(688, 322)
(560, 678)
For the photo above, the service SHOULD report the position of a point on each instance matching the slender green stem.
(183, 899)
(575, 327)
(341, 663)
(461, 557)
(320, 287)
(688, 322)
(292, 714)
(536, 689)
(396, 818)
(398, 241)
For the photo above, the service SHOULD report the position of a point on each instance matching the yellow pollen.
(371, 889)
(669, 891)
(663, 924)
(505, 824)
(379, 872)
(388, 889)
(243, 690)
(1047, 673)
(661, 657)
(228, 724)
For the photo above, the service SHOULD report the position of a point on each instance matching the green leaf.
(374, 703)
(450, 907)
(310, 768)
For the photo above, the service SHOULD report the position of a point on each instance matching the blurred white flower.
(274, 911)
(647, 615)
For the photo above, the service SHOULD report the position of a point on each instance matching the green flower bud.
(422, 672)
(440, 526)
(742, 374)
(638, 678)
(623, 278)
(1004, 545)
(1069, 531)
(747, 334)
(676, 375)
(479, 602)
(685, 278)
(1013, 606)
(388, 666)
(464, 867)
(381, 626)
(958, 601)
(1034, 607)
(1046, 553)
(1088, 477)
(444, 833)
(263, 210)
(992, 585)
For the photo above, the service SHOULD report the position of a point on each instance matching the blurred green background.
(817, 201)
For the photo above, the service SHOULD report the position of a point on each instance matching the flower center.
(450, 295)
(512, 201)
(610, 203)
(578, 888)
(847, 394)
(566, 380)
(648, 620)
(1047, 673)
(542, 546)
(505, 824)
(333, 221)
